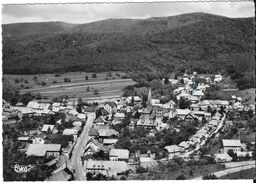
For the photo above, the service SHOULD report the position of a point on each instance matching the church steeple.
(149, 97)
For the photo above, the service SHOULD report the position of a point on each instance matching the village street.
(78, 150)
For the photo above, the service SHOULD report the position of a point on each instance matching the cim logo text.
(22, 168)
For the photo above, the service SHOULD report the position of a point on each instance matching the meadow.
(244, 174)
(73, 84)
(248, 95)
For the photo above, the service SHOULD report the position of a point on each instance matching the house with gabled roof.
(107, 168)
(136, 99)
(149, 124)
(198, 93)
(108, 142)
(184, 144)
(61, 174)
(190, 117)
(147, 118)
(49, 129)
(44, 150)
(193, 99)
(94, 144)
(119, 155)
(194, 107)
(110, 107)
(183, 95)
(69, 131)
(39, 139)
(182, 113)
(222, 157)
(233, 144)
(107, 133)
(204, 105)
(24, 110)
(174, 151)
(93, 132)
(119, 115)
(100, 121)
(39, 106)
(213, 122)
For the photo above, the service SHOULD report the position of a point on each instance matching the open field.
(247, 95)
(110, 87)
(77, 87)
(189, 172)
(244, 174)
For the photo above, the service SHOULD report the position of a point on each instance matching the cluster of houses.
(238, 148)
(100, 154)
(187, 78)
(34, 108)
(186, 148)
(104, 138)
(55, 141)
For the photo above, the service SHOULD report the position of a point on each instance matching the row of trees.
(12, 95)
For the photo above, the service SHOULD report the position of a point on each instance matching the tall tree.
(79, 105)
(184, 103)
(166, 80)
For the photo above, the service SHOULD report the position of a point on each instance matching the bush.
(54, 82)
(43, 83)
(181, 177)
(67, 80)
(26, 81)
(209, 177)
(57, 75)
(202, 161)
(123, 177)
(109, 74)
(94, 75)
(35, 78)
(124, 77)
(141, 169)
(16, 80)
(95, 92)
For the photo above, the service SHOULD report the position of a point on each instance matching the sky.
(85, 13)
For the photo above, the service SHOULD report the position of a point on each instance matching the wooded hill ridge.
(196, 41)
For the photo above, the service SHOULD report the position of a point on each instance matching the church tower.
(149, 97)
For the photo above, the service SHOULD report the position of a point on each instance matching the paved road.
(78, 150)
(239, 163)
(229, 170)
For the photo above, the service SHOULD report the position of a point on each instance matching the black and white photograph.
(115, 91)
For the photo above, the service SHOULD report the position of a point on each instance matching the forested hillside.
(198, 41)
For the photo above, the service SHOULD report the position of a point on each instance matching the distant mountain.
(23, 29)
(199, 41)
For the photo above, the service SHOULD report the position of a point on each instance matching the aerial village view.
(165, 98)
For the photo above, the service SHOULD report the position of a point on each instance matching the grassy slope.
(244, 174)
(245, 94)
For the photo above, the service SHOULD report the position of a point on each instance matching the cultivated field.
(51, 85)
